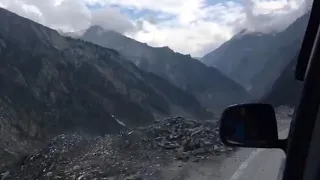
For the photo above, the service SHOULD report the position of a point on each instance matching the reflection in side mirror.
(249, 125)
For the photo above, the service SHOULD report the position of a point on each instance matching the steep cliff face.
(286, 90)
(212, 88)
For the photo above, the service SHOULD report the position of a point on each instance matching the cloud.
(112, 19)
(190, 38)
(275, 15)
(198, 27)
(65, 15)
(69, 15)
(193, 27)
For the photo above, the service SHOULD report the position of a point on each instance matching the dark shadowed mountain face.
(256, 60)
(51, 84)
(286, 90)
(212, 88)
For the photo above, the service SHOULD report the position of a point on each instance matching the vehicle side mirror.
(249, 125)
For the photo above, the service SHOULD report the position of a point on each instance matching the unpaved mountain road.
(246, 163)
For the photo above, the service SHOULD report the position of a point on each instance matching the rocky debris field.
(134, 154)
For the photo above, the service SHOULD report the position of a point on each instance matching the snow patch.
(120, 122)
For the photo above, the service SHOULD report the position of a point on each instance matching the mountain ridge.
(210, 86)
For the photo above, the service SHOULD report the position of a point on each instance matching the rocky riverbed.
(139, 153)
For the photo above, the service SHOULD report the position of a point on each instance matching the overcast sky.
(193, 27)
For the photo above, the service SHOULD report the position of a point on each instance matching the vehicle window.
(97, 89)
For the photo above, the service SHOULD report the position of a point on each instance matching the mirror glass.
(249, 125)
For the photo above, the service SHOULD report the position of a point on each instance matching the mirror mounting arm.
(282, 144)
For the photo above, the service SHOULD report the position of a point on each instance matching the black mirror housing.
(249, 125)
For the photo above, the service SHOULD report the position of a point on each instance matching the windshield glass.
(120, 89)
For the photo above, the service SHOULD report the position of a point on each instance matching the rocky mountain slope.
(51, 84)
(286, 90)
(212, 88)
(141, 153)
(256, 60)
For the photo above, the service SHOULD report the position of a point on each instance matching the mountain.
(255, 60)
(286, 90)
(213, 89)
(51, 84)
